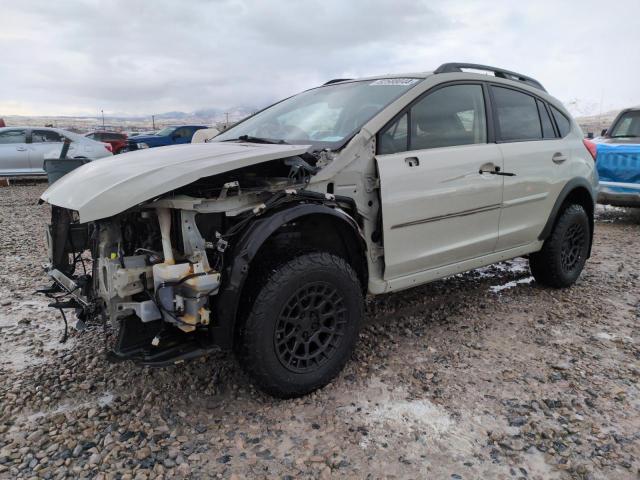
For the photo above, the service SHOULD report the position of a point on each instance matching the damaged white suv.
(266, 239)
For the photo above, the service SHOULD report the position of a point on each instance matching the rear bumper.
(619, 194)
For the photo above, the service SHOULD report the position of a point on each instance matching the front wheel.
(564, 253)
(302, 326)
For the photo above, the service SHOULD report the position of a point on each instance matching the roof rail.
(498, 72)
(336, 80)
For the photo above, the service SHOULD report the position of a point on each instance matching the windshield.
(165, 131)
(627, 126)
(323, 117)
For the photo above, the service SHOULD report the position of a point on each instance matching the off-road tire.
(564, 253)
(269, 354)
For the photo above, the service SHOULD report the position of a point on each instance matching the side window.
(563, 123)
(517, 115)
(545, 120)
(45, 136)
(395, 138)
(182, 133)
(13, 136)
(453, 115)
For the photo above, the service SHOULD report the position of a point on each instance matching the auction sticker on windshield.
(395, 81)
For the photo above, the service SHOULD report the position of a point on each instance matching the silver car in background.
(23, 149)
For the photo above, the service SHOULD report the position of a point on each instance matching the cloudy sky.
(67, 57)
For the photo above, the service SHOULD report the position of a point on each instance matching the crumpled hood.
(108, 186)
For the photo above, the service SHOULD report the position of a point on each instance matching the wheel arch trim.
(245, 250)
(574, 185)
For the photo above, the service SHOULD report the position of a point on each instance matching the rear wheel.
(302, 326)
(564, 253)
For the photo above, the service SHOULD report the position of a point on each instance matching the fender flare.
(245, 250)
(569, 187)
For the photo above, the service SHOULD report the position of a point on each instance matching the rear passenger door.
(440, 203)
(43, 143)
(533, 154)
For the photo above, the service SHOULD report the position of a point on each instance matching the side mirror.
(603, 132)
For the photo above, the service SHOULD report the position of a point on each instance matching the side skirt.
(426, 276)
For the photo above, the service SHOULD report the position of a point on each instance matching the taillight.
(108, 147)
(592, 147)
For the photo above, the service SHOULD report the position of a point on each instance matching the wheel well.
(310, 233)
(580, 196)
(315, 233)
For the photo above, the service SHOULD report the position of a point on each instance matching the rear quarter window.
(563, 123)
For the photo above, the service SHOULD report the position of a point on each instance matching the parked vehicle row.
(117, 140)
(265, 239)
(618, 161)
(24, 149)
(174, 135)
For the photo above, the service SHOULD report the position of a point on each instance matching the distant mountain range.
(205, 116)
(204, 113)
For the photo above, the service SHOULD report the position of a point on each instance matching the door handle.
(558, 158)
(412, 161)
(494, 170)
(21, 149)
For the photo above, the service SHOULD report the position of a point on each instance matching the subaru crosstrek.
(266, 239)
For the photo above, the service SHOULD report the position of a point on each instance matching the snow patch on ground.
(516, 265)
(384, 410)
(508, 285)
(106, 398)
(420, 412)
(605, 336)
(20, 348)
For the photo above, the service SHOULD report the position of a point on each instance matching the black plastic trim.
(570, 186)
(247, 246)
(337, 80)
(498, 72)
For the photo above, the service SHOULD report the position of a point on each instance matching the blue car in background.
(618, 161)
(167, 136)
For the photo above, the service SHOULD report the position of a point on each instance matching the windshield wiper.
(249, 138)
(625, 136)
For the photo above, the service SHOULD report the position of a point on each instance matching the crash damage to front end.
(148, 246)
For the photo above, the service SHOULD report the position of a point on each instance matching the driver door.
(440, 201)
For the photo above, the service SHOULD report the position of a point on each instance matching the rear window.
(563, 123)
(517, 115)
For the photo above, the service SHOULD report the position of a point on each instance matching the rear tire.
(564, 253)
(302, 326)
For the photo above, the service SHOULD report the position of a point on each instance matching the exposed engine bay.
(153, 272)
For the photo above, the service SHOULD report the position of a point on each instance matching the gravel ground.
(482, 375)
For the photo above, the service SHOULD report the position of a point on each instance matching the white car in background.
(23, 149)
